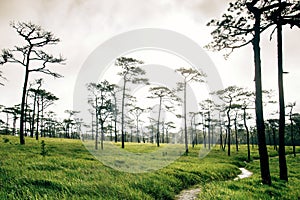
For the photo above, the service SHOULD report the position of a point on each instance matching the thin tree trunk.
(14, 124)
(185, 125)
(209, 131)
(137, 130)
(228, 129)
(33, 117)
(122, 118)
(22, 138)
(158, 119)
(203, 130)
(7, 120)
(102, 134)
(282, 160)
(97, 134)
(292, 133)
(274, 138)
(248, 139)
(37, 120)
(236, 133)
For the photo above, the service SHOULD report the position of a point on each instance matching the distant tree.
(207, 107)
(189, 75)
(137, 111)
(114, 92)
(247, 101)
(236, 109)
(130, 72)
(230, 96)
(169, 125)
(45, 100)
(32, 57)
(35, 93)
(102, 103)
(291, 106)
(193, 128)
(164, 95)
(15, 112)
(69, 122)
(273, 124)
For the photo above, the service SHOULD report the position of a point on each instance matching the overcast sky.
(82, 25)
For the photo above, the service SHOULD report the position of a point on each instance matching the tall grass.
(69, 171)
(251, 188)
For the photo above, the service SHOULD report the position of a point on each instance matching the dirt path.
(189, 194)
(245, 174)
(192, 194)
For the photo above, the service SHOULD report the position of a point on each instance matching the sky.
(83, 25)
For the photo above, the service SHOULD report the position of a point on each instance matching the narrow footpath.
(191, 194)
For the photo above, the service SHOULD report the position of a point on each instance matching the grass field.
(69, 171)
(251, 188)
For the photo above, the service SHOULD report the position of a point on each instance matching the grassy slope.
(251, 188)
(71, 172)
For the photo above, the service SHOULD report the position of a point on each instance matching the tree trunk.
(92, 126)
(33, 116)
(228, 129)
(122, 118)
(282, 160)
(248, 138)
(22, 138)
(14, 124)
(264, 158)
(97, 134)
(158, 119)
(137, 130)
(209, 131)
(274, 138)
(42, 118)
(236, 133)
(102, 134)
(203, 130)
(37, 120)
(7, 120)
(185, 125)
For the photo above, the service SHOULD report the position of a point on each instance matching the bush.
(43, 149)
(5, 140)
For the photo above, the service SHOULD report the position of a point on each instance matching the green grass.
(69, 171)
(251, 188)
